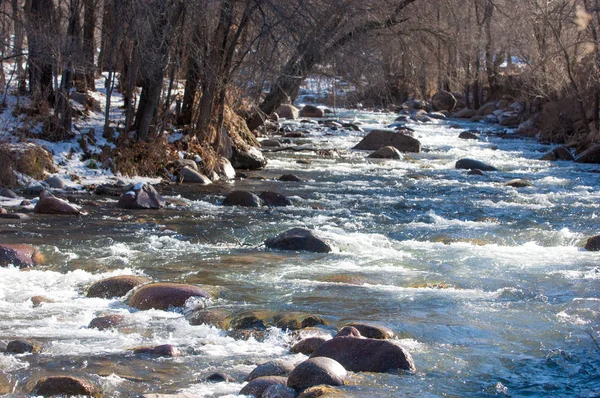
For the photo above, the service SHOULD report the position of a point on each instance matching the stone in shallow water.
(471, 164)
(308, 346)
(22, 347)
(242, 198)
(593, 244)
(372, 331)
(106, 322)
(257, 386)
(19, 255)
(316, 371)
(161, 296)
(65, 385)
(116, 286)
(380, 138)
(298, 239)
(276, 367)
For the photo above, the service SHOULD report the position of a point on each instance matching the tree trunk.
(40, 18)
(89, 44)
(106, 40)
(191, 86)
(18, 45)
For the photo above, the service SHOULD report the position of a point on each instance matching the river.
(486, 285)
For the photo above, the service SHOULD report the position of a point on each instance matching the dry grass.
(7, 164)
(31, 160)
(141, 158)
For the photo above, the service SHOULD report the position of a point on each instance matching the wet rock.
(311, 111)
(468, 135)
(296, 320)
(421, 116)
(380, 138)
(471, 164)
(558, 153)
(106, 322)
(387, 152)
(15, 216)
(7, 193)
(352, 126)
(249, 158)
(290, 178)
(49, 204)
(21, 256)
(298, 239)
(110, 190)
(34, 190)
(316, 371)
(252, 320)
(116, 286)
(25, 203)
(225, 169)
(218, 317)
(163, 295)
(189, 175)
(55, 182)
(366, 355)
(287, 111)
(279, 391)
(322, 391)
(220, 377)
(141, 196)
(275, 199)
(247, 334)
(348, 331)
(271, 368)
(294, 134)
(436, 115)
(443, 101)
(308, 346)
(519, 183)
(65, 385)
(593, 244)
(242, 198)
(475, 172)
(257, 386)
(372, 331)
(590, 155)
(22, 347)
(270, 144)
(165, 350)
(487, 109)
(464, 113)
(39, 300)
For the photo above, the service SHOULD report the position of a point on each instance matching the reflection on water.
(485, 284)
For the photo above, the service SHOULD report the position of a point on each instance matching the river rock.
(475, 172)
(387, 152)
(275, 199)
(163, 295)
(55, 182)
(487, 109)
(297, 320)
(276, 367)
(443, 101)
(471, 164)
(311, 111)
(372, 331)
(366, 355)
(290, 178)
(270, 144)
(380, 138)
(287, 111)
(519, 183)
(15, 216)
(219, 377)
(590, 155)
(116, 286)
(468, 135)
(558, 153)
(257, 386)
(348, 331)
(22, 347)
(219, 317)
(323, 391)
(189, 175)
(436, 115)
(298, 239)
(65, 386)
(316, 371)
(224, 169)
(308, 345)
(110, 189)
(39, 300)
(164, 350)
(257, 320)
(141, 196)
(421, 116)
(465, 113)
(593, 244)
(21, 256)
(106, 322)
(242, 198)
(249, 158)
(7, 193)
(49, 204)
(279, 391)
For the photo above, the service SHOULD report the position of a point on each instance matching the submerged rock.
(279, 391)
(116, 286)
(387, 152)
(257, 386)
(381, 138)
(141, 197)
(276, 367)
(163, 295)
(298, 239)
(519, 183)
(290, 178)
(590, 155)
(106, 322)
(366, 355)
(471, 164)
(317, 371)
(65, 385)
(297, 320)
(220, 377)
(468, 135)
(21, 256)
(275, 199)
(165, 350)
(242, 198)
(39, 300)
(22, 347)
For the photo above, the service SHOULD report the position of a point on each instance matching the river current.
(486, 285)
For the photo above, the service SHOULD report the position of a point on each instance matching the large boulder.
(470, 164)
(312, 111)
(275, 199)
(49, 204)
(257, 386)
(387, 152)
(558, 153)
(316, 371)
(249, 158)
(461, 100)
(593, 244)
(21, 256)
(590, 155)
(189, 175)
(443, 101)
(163, 295)
(366, 355)
(65, 386)
(141, 196)
(276, 367)
(298, 239)
(116, 286)
(381, 138)
(242, 198)
(224, 169)
(287, 111)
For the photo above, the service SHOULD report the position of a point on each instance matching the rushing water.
(485, 284)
